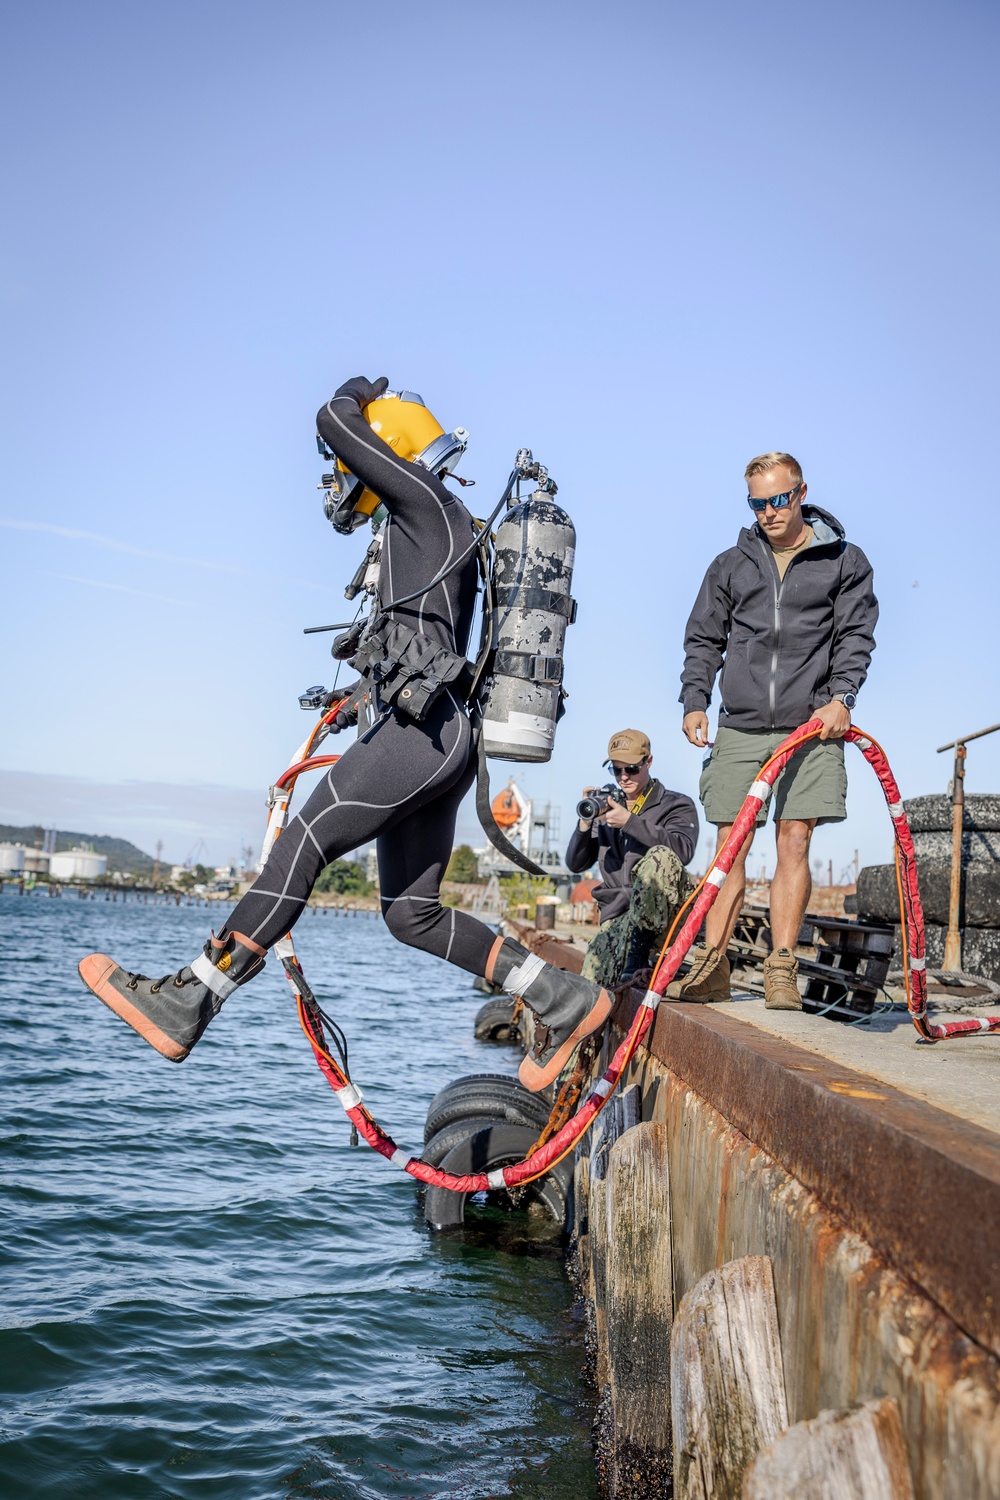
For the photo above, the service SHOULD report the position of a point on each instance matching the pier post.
(839, 1455)
(727, 1383)
(639, 1307)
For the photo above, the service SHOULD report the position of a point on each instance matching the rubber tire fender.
(932, 813)
(445, 1140)
(877, 895)
(497, 1146)
(459, 1083)
(481, 1080)
(515, 1105)
(494, 1021)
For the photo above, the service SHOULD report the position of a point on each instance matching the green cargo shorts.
(812, 785)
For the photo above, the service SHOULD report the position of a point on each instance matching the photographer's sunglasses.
(779, 502)
(619, 771)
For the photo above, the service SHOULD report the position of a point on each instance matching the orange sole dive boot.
(567, 1008)
(172, 1013)
(549, 1056)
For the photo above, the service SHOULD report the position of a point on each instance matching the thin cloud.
(114, 544)
(119, 588)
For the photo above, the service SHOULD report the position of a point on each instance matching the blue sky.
(646, 241)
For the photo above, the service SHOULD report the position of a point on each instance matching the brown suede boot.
(707, 981)
(781, 970)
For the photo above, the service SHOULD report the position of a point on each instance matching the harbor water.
(207, 1292)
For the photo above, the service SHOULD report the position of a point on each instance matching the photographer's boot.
(567, 1008)
(641, 953)
(708, 980)
(172, 1013)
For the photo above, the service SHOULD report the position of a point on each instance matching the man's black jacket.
(666, 818)
(785, 645)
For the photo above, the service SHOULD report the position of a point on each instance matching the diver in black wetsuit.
(401, 781)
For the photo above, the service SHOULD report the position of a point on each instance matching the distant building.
(11, 858)
(71, 864)
(78, 864)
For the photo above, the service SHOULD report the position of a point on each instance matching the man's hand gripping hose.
(672, 954)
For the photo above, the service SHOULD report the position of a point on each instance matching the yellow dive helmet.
(402, 420)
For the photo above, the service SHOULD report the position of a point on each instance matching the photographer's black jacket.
(785, 645)
(666, 818)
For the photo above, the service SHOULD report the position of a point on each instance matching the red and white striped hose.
(560, 1144)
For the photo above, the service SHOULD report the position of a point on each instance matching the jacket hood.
(828, 531)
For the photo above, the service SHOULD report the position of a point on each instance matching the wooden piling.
(598, 1223)
(726, 1382)
(639, 1305)
(839, 1455)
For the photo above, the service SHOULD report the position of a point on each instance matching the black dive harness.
(403, 670)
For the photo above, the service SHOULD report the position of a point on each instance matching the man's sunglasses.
(779, 502)
(619, 771)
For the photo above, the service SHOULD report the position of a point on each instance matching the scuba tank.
(531, 578)
(515, 686)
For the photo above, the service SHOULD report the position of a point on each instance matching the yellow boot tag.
(224, 962)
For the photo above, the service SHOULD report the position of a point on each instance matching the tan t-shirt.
(784, 555)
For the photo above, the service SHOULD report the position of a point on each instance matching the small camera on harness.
(591, 807)
(314, 697)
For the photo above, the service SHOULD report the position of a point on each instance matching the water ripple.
(207, 1292)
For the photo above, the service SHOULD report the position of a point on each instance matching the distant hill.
(121, 854)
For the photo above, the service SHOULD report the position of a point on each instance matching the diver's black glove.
(347, 716)
(361, 390)
(345, 646)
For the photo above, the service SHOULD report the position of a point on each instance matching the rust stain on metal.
(920, 1185)
(852, 1327)
(839, 1087)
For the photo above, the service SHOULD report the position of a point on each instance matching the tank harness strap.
(530, 667)
(536, 598)
(484, 810)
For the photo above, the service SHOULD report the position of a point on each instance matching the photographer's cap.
(629, 746)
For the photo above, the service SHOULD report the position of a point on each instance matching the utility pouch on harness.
(409, 670)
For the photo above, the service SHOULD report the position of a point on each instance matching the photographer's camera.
(592, 806)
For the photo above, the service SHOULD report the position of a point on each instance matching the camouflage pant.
(659, 885)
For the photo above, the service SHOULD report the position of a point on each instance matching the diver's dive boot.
(707, 981)
(171, 1013)
(781, 970)
(567, 1008)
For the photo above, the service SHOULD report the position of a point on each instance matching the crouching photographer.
(642, 836)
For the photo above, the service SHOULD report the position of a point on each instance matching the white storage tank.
(11, 857)
(78, 864)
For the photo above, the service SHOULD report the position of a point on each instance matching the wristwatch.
(847, 699)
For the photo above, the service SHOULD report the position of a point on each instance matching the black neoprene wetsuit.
(401, 781)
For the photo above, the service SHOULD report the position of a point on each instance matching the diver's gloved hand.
(346, 717)
(361, 390)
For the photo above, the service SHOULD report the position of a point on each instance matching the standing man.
(789, 615)
(642, 846)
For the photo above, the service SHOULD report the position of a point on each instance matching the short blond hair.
(773, 461)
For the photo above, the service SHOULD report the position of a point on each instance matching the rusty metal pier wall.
(880, 1215)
